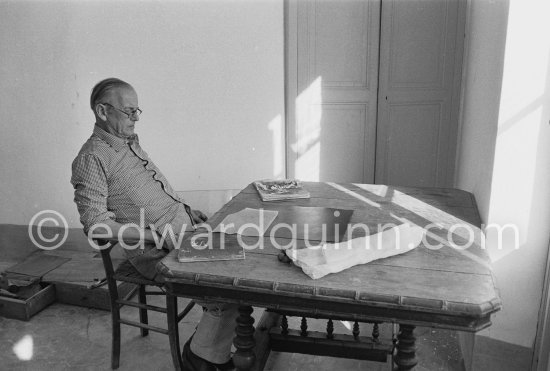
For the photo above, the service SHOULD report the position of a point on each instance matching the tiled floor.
(64, 337)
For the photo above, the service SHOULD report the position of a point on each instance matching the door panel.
(332, 89)
(420, 66)
(421, 131)
(339, 52)
(343, 129)
(417, 43)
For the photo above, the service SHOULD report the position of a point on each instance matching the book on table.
(286, 189)
(201, 247)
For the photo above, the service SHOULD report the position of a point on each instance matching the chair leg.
(115, 323)
(173, 333)
(143, 312)
(115, 345)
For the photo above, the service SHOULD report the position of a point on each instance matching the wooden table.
(447, 286)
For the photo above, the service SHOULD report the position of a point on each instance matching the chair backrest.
(106, 255)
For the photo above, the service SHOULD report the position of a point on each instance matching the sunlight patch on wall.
(513, 180)
(308, 131)
(520, 118)
(278, 134)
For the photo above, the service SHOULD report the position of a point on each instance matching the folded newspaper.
(327, 258)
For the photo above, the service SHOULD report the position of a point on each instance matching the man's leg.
(146, 261)
(215, 332)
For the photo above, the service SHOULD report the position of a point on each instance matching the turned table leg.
(244, 357)
(405, 359)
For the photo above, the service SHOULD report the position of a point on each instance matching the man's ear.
(101, 112)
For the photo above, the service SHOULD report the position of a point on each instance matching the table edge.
(313, 292)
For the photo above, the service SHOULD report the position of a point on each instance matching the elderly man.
(116, 183)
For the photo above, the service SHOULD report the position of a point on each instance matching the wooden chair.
(127, 273)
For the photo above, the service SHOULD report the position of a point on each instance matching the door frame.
(290, 20)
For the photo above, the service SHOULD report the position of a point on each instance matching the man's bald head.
(115, 106)
(103, 89)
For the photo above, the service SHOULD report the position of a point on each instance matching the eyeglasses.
(135, 113)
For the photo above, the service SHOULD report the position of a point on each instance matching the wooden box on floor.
(76, 281)
(79, 293)
(24, 309)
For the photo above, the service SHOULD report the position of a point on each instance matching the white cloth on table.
(318, 261)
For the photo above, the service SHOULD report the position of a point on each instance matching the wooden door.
(420, 72)
(332, 78)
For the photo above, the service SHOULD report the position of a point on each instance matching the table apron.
(324, 308)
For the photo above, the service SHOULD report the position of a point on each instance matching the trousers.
(215, 331)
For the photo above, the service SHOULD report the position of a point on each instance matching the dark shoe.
(227, 366)
(192, 362)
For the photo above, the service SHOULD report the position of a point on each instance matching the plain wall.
(504, 154)
(210, 81)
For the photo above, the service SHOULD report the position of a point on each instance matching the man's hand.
(171, 241)
(198, 216)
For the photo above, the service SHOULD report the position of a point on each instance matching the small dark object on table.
(283, 257)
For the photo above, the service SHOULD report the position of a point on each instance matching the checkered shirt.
(114, 178)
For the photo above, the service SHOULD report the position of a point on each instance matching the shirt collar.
(116, 142)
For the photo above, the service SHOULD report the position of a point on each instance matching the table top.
(450, 285)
